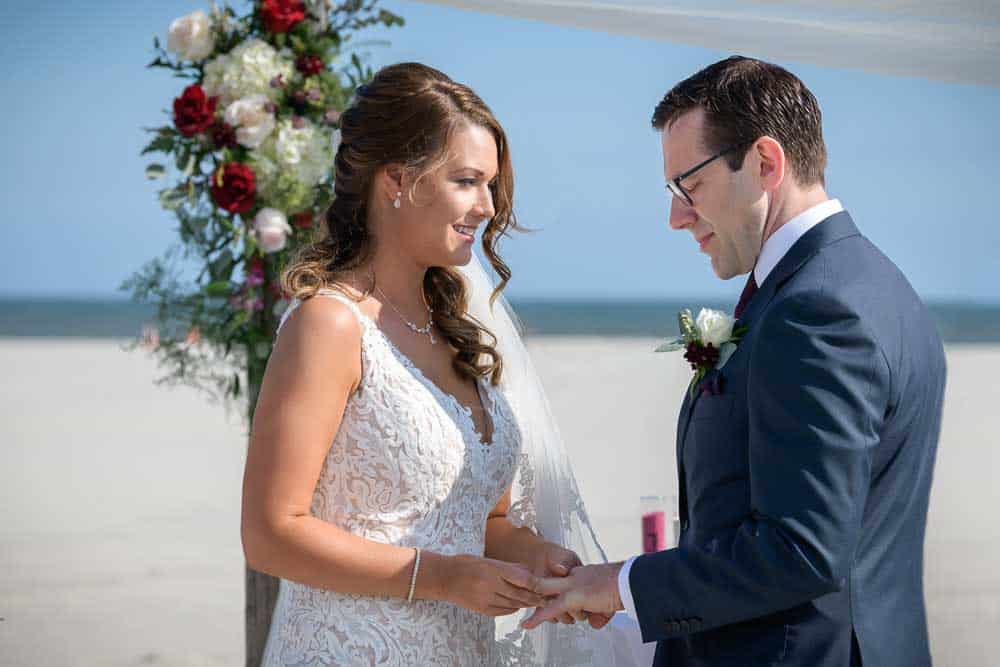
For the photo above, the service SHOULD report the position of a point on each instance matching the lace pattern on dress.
(406, 467)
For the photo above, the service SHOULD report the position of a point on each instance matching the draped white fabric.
(545, 497)
(946, 40)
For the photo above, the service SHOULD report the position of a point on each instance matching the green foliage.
(215, 329)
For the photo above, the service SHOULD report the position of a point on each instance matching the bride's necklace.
(427, 330)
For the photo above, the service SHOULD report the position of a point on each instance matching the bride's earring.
(397, 202)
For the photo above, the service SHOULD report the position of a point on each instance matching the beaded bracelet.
(413, 577)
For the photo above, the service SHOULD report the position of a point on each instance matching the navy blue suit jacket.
(804, 485)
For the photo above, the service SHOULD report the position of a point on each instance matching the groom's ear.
(770, 157)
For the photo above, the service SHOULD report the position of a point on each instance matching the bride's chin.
(461, 257)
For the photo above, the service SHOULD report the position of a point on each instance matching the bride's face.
(727, 210)
(452, 204)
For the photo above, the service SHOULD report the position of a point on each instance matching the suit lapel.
(838, 226)
(687, 409)
(683, 422)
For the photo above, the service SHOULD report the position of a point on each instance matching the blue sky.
(912, 160)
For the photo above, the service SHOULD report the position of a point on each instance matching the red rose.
(233, 187)
(223, 135)
(303, 220)
(309, 64)
(194, 112)
(281, 15)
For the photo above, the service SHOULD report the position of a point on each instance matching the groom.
(804, 482)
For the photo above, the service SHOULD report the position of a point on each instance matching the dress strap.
(363, 321)
(349, 302)
(333, 294)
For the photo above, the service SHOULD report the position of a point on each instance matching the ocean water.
(109, 318)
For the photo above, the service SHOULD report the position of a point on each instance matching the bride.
(405, 479)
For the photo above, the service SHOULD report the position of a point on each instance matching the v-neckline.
(421, 377)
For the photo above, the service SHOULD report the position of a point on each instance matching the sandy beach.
(119, 537)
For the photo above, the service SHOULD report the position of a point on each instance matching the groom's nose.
(681, 214)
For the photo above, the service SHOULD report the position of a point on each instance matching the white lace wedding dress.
(407, 468)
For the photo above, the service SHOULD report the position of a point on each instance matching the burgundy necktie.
(748, 293)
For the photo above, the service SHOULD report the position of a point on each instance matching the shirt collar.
(785, 237)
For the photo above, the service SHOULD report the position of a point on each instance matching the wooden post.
(261, 595)
(261, 589)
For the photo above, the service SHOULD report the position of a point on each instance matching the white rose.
(271, 229)
(191, 36)
(714, 327)
(251, 118)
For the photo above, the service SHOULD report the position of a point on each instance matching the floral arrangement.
(249, 144)
(708, 343)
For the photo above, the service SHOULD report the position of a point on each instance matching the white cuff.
(624, 590)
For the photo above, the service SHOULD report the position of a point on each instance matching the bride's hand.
(490, 587)
(552, 560)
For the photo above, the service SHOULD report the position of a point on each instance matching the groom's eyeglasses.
(674, 184)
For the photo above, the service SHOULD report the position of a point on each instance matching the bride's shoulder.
(317, 349)
(330, 315)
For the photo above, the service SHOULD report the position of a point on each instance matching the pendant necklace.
(427, 330)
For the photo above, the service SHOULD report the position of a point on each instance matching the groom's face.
(727, 208)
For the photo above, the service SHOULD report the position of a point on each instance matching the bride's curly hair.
(407, 114)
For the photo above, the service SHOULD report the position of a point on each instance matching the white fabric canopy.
(947, 40)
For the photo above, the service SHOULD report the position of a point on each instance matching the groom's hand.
(589, 591)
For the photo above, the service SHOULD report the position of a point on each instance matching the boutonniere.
(708, 342)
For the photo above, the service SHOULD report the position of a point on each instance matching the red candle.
(654, 532)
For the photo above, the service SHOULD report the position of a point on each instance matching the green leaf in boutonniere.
(725, 352)
(672, 345)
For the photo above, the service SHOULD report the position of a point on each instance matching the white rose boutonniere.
(708, 341)
(714, 327)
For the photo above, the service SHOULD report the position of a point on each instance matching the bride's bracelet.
(413, 577)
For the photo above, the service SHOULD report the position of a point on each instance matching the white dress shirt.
(775, 247)
(781, 241)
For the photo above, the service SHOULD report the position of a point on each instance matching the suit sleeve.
(818, 388)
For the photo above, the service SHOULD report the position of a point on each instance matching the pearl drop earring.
(396, 202)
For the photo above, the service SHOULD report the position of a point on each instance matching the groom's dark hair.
(745, 99)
